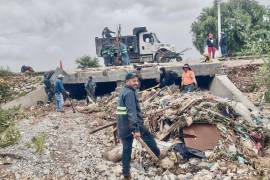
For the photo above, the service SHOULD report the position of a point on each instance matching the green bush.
(9, 134)
(4, 91)
(87, 62)
(5, 72)
(39, 142)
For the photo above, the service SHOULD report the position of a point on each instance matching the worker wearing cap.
(188, 79)
(59, 90)
(130, 123)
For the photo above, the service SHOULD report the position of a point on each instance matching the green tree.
(245, 22)
(87, 62)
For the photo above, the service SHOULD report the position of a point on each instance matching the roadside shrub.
(9, 134)
(264, 72)
(39, 143)
(5, 72)
(4, 91)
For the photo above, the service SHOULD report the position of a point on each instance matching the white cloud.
(41, 32)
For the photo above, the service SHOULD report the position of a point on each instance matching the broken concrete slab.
(114, 74)
(28, 100)
(223, 87)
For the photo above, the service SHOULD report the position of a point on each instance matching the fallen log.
(103, 127)
(178, 124)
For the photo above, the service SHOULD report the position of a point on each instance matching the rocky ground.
(70, 152)
(67, 150)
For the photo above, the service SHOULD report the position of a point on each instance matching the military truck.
(142, 46)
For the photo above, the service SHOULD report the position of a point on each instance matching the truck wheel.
(160, 59)
(179, 59)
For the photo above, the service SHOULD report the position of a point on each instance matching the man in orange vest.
(188, 79)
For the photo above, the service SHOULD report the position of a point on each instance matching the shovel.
(70, 100)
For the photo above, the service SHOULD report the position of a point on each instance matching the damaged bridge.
(210, 76)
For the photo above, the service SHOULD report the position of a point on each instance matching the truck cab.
(150, 47)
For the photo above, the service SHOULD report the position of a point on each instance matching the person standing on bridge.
(90, 87)
(223, 45)
(189, 81)
(130, 123)
(59, 91)
(211, 45)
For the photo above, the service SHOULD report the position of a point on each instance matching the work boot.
(127, 177)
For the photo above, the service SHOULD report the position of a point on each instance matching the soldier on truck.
(141, 46)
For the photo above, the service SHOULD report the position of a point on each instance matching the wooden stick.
(147, 148)
(103, 127)
(149, 89)
(178, 124)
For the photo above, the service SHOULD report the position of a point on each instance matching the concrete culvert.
(77, 91)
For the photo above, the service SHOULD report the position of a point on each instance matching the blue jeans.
(223, 51)
(125, 59)
(127, 148)
(59, 100)
(49, 94)
(189, 88)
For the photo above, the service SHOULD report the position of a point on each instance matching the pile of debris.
(244, 77)
(217, 132)
(20, 85)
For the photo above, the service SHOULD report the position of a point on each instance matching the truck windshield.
(155, 37)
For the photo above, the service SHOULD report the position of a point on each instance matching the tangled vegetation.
(39, 142)
(9, 134)
(4, 87)
(4, 72)
(265, 77)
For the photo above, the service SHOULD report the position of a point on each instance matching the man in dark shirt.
(130, 122)
(167, 78)
(223, 44)
(48, 88)
(90, 87)
(106, 33)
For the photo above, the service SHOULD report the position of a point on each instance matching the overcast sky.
(41, 32)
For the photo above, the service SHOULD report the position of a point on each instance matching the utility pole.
(219, 25)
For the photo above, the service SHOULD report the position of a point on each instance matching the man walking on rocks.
(59, 90)
(130, 122)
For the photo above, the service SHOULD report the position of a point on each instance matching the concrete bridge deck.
(148, 71)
